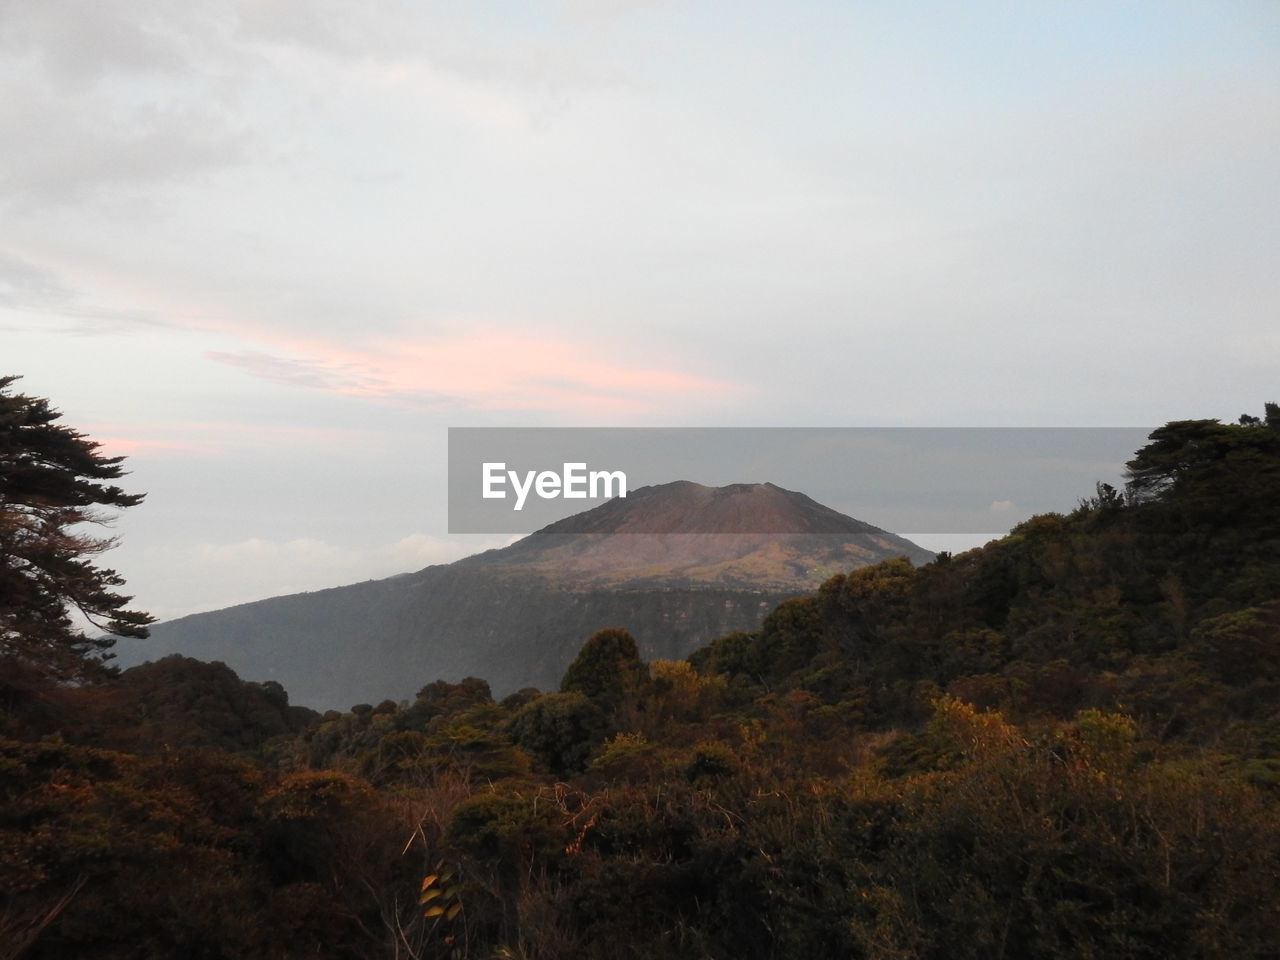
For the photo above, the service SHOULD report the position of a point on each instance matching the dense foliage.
(1065, 743)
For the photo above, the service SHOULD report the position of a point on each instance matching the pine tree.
(50, 488)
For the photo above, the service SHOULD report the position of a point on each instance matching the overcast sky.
(272, 249)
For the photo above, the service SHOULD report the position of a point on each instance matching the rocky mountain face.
(677, 564)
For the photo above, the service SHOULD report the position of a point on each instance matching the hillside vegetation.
(1065, 743)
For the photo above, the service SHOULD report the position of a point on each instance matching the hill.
(711, 561)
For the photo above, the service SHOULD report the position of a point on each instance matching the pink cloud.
(114, 446)
(212, 439)
(483, 370)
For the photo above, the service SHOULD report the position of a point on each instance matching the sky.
(271, 250)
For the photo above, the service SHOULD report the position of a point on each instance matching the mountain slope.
(744, 535)
(711, 560)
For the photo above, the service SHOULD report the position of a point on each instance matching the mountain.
(743, 535)
(677, 564)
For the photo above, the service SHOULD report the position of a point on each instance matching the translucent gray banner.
(907, 480)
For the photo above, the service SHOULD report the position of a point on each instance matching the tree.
(1206, 459)
(607, 667)
(50, 487)
(560, 730)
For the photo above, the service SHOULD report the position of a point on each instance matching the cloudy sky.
(272, 249)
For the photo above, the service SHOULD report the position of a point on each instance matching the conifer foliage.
(51, 486)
